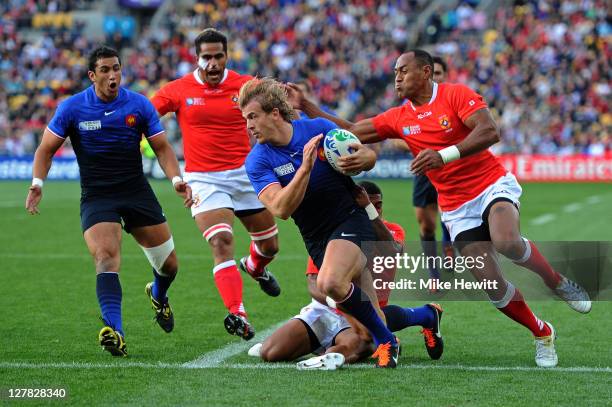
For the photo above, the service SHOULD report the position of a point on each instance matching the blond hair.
(270, 94)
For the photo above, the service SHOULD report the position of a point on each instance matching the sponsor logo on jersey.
(90, 125)
(409, 130)
(130, 120)
(194, 102)
(423, 115)
(444, 122)
(284, 169)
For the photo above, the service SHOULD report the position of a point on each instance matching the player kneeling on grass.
(105, 123)
(292, 180)
(339, 338)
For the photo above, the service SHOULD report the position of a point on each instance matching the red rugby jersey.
(439, 124)
(215, 137)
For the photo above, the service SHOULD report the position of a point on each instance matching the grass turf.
(47, 294)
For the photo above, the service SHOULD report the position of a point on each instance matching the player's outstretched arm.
(283, 201)
(363, 129)
(314, 291)
(169, 164)
(383, 233)
(43, 157)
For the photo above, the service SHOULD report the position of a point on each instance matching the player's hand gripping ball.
(336, 144)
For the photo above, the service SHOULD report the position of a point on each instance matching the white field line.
(573, 207)
(217, 357)
(593, 199)
(540, 220)
(160, 365)
(569, 208)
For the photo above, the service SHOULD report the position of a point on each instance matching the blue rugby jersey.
(106, 137)
(328, 200)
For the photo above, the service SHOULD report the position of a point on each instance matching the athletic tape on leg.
(157, 255)
(526, 254)
(218, 228)
(265, 234)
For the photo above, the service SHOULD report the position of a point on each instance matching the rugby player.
(293, 180)
(105, 123)
(449, 129)
(339, 338)
(425, 197)
(216, 143)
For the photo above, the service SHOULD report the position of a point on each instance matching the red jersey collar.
(434, 93)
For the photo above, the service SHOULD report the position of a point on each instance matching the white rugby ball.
(336, 144)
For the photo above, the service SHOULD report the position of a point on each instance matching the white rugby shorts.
(324, 322)
(222, 189)
(469, 215)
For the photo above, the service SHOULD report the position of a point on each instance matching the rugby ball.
(336, 144)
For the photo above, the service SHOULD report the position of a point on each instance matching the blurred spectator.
(543, 66)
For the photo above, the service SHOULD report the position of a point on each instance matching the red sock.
(229, 284)
(257, 261)
(518, 310)
(539, 265)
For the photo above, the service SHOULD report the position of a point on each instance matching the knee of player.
(106, 260)
(331, 286)
(221, 242)
(427, 228)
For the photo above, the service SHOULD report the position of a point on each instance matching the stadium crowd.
(543, 66)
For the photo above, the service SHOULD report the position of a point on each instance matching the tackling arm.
(314, 290)
(364, 129)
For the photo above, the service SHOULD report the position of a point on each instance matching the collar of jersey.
(97, 99)
(197, 77)
(434, 93)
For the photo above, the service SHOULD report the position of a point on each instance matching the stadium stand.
(550, 96)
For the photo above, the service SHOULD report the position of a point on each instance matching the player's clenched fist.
(426, 160)
(184, 190)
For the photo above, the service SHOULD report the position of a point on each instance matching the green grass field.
(50, 320)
